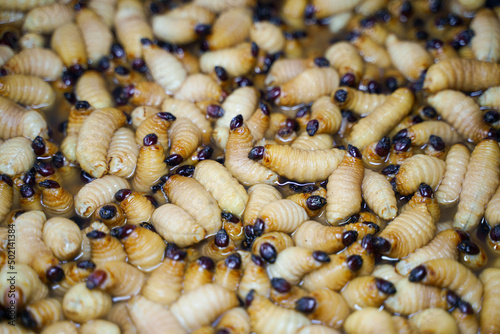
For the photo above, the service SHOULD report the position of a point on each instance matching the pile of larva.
(237, 167)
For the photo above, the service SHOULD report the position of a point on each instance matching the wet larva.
(137, 206)
(191, 196)
(284, 70)
(480, 183)
(450, 274)
(111, 214)
(325, 8)
(378, 194)
(144, 248)
(117, 278)
(192, 313)
(405, 123)
(330, 308)
(467, 75)
(420, 133)
(119, 314)
(259, 195)
(200, 87)
(25, 5)
(147, 93)
(6, 195)
(371, 51)
(29, 286)
(44, 63)
(258, 123)
(77, 115)
(242, 101)
(489, 312)
(436, 320)
(228, 272)
(490, 98)
(334, 275)
(198, 273)
(105, 248)
(230, 28)
(42, 313)
(267, 36)
(369, 320)
(6, 53)
(284, 294)
(91, 87)
(424, 195)
(55, 199)
(311, 205)
(46, 19)
(122, 153)
(28, 90)
(217, 247)
(105, 9)
(491, 213)
(66, 326)
(97, 193)
(185, 137)
(150, 164)
(456, 167)
(383, 118)
(467, 323)
(67, 41)
(270, 244)
(325, 117)
(245, 170)
(419, 169)
(409, 57)
(282, 215)
(486, 41)
(30, 198)
(151, 317)
(345, 58)
(359, 102)
(236, 321)
(74, 273)
(310, 143)
(16, 156)
(63, 237)
(81, 304)
(157, 124)
(367, 291)
(375, 154)
(218, 6)
(317, 329)
(462, 113)
(99, 326)
(237, 60)
(255, 278)
(180, 109)
(96, 34)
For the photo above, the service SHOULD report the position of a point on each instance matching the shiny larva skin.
(67, 41)
(166, 70)
(28, 90)
(192, 313)
(148, 93)
(15, 121)
(45, 311)
(363, 292)
(97, 193)
(301, 199)
(218, 6)
(164, 286)
(139, 114)
(28, 283)
(242, 101)
(301, 165)
(106, 249)
(462, 74)
(317, 142)
(6, 53)
(369, 320)
(100, 326)
(430, 203)
(457, 161)
(410, 58)
(255, 277)
(167, 221)
(279, 240)
(144, 248)
(467, 323)
(359, 102)
(72, 276)
(92, 87)
(121, 279)
(327, 114)
(333, 275)
(66, 327)
(191, 196)
(382, 119)
(486, 40)
(332, 309)
(490, 98)
(245, 170)
(419, 169)
(105, 9)
(230, 28)
(442, 246)
(96, 34)
(491, 214)
(131, 26)
(16, 156)
(259, 195)
(462, 113)
(237, 60)
(284, 70)
(293, 263)
(151, 317)
(119, 315)
(185, 137)
(64, 248)
(488, 317)
(231, 196)
(325, 8)
(308, 86)
(283, 215)
(421, 132)
(43, 63)
(258, 124)
(81, 304)
(435, 320)
(137, 207)
(6, 199)
(196, 275)
(402, 325)
(378, 194)
(267, 36)
(216, 253)
(344, 190)
(150, 167)
(267, 318)
(122, 153)
(226, 277)
(75, 121)
(289, 298)
(236, 320)
(371, 51)
(292, 11)
(199, 87)
(154, 124)
(94, 138)
(480, 183)
(46, 19)
(345, 58)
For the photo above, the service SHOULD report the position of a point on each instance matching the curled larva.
(259, 122)
(409, 57)
(449, 190)
(6, 195)
(81, 304)
(46, 19)
(28, 286)
(198, 273)
(191, 196)
(185, 137)
(420, 133)
(145, 249)
(488, 317)
(255, 278)
(490, 98)
(462, 113)
(284, 70)
(359, 102)
(267, 36)
(259, 195)
(329, 307)
(146, 93)
(228, 272)
(96, 34)
(419, 169)
(382, 119)
(28, 90)
(117, 278)
(104, 247)
(157, 124)
(203, 305)
(200, 87)
(66, 327)
(30, 198)
(486, 41)
(367, 291)
(150, 164)
(16, 156)
(245, 170)
(180, 109)
(325, 117)
(238, 60)
(166, 70)
(270, 244)
(242, 101)
(424, 195)
(436, 320)
(138, 207)
(97, 193)
(119, 314)
(99, 326)
(67, 41)
(307, 86)
(462, 74)
(63, 238)
(480, 183)
(110, 214)
(39, 62)
(42, 313)
(282, 215)
(378, 195)
(230, 28)
(450, 274)
(268, 318)
(91, 87)
(74, 273)
(492, 213)
(294, 262)
(345, 58)
(15, 121)
(217, 247)
(151, 317)
(235, 321)
(122, 153)
(442, 246)
(369, 320)
(312, 202)
(94, 138)
(371, 51)
(334, 275)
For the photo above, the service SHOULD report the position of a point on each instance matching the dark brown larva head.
(96, 279)
(44, 168)
(206, 263)
(229, 217)
(425, 190)
(493, 134)
(203, 30)
(281, 285)
(125, 231)
(402, 144)
(30, 177)
(417, 274)
(321, 256)
(249, 298)
(6, 178)
(465, 307)
(434, 44)
(437, 143)
(205, 153)
(28, 320)
(221, 73)
(86, 264)
(385, 286)
(390, 170)
(249, 231)
(186, 170)
(86, 177)
(354, 262)
(174, 159)
(222, 239)
(166, 116)
(340, 95)
(49, 184)
(215, 111)
(367, 241)
(401, 134)
(27, 190)
(38, 146)
(266, 110)
(55, 274)
(96, 234)
(468, 247)
(256, 153)
(177, 255)
(233, 261)
(321, 62)
(306, 305)
(383, 147)
(146, 42)
(258, 260)
(391, 83)
(495, 233)
(349, 237)
(491, 116)
(312, 127)
(242, 81)
(107, 212)
(315, 202)
(58, 160)
(122, 194)
(452, 298)
(254, 49)
(429, 112)
(273, 93)
(348, 80)
(354, 151)
(259, 227)
(147, 226)
(268, 252)
(236, 122)
(381, 245)
(150, 139)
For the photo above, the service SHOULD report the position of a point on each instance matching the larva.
(374, 126)
(218, 247)
(46, 19)
(185, 137)
(420, 133)
(419, 169)
(294, 262)
(312, 202)
(490, 98)
(236, 321)
(292, 11)
(96, 34)
(228, 272)
(151, 317)
(136, 206)
(491, 214)
(74, 273)
(463, 114)
(270, 244)
(488, 317)
(144, 248)
(146, 93)
(180, 108)
(424, 195)
(436, 320)
(230, 28)
(371, 51)
(97, 193)
(221, 5)
(66, 326)
(310, 143)
(242, 101)
(91, 87)
(284, 70)
(198, 273)
(110, 214)
(378, 194)
(39, 62)
(28, 90)
(16, 156)
(359, 102)
(325, 117)
(255, 278)
(238, 60)
(105, 248)
(200, 87)
(486, 41)
(25, 5)
(457, 161)
(324, 8)
(409, 57)
(150, 164)
(117, 278)
(369, 320)
(42, 313)
(122, 153)
(101, 326)
(282, 215)
(191, 196)
(6, 195)
(119, 314)
(259, 122)
(367, 291)
(67, 41)
(77, 116)
(317, 329)
(345, 58)
(28, 283)
(158, 124)
(480, 183)
(6, 53)
(284, 294)
(267, 36)
(375, 154)
(63, 237)
(441, 51)
(465, 318)
(81, 304)
(330, 308)
(258, 196)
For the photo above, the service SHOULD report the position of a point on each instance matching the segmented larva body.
(267, 318)
(74, 273)
(39, 62)
(259, 195)
(316, 203)
(410, 58)
(419, 169)
(480, 183)
(91, 87)
(180, 109)
(486, 40)
(28, 90)
(367, 291)
(421, 197)
(137, 207)
(466, 75)
(144, 248)
(331, 308)
(359, 102)
(258, 123)
(158, 124)
(97, 193)
(284, 70)
(96, 34)
(185, 137)
(242, 101)
(29, 285)
(25, 5)
(237, 60)
(308, 86)
(457, 161)
(150, 167)
(16, 156)
(15, 121)
(369, 320)
(191, 196)
(492, 213)
(44, 312)
(117, 278)
(200, 87)
(235, 320)
(66, 326)
(105, 248)
(122, 153)
(6, 196)
(462, 113)
(317, 329)
(151, 317)
(81, 304)
(333, 275)
(255, 278)
(327, 115)
(119, 314)
(293, 263)
(286, 298)
(490, 311)
(283, 215)
(99, 326)
(46, 19)
(146, 93)
(278, 240)
(436, 320)
(166, 70)
(67, 41)
(131, 26)
(421, 132)
(245, 170)
(267, 36)
(371, 51)
(230, 28)
(6, 53)
(383, 118)
(345, 58)
(490, 98)
(378, 194)
(228, 276)
(63, 237)
(94, 138)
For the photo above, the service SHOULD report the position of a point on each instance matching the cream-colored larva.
(185, 137)
(46, 19)
(345, 58)
(294, 262)
(237, 60)
(489, 316)
(378, 194)
(325, 8)
(63, 237)
(30, 91)
(151, 317)
(457, 160)
(15, 121)
(66, 327)
(420, 133)
(267, 36)
(284, 70)
(24, 5)
(436, 320)
(96, 34)
(92, 87)
(486, 41)
(16, 156)
(40, 62)
(325, 117)
(122, 153)
(6, 195)
(490, 98)
(119, 314)
(105, 9)
(409, 57)
(230, 28)
(371, 51)
(283, 215)
(321, 141)
(100, 326)
(180, 108)
(6, 53)
(258, 196)
(369, 320)
(361, 103)
(419, 169)
(67, 41)
(150, 164)
(81, 304)
(200, 87)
